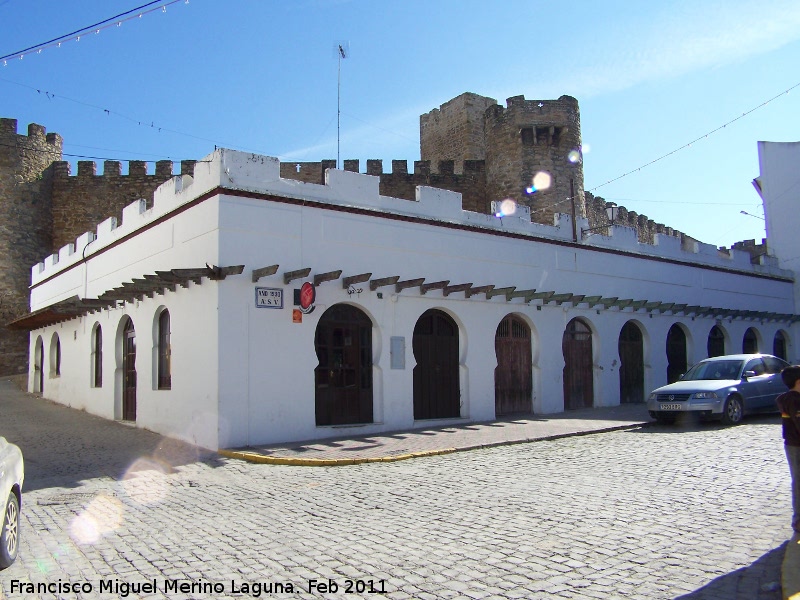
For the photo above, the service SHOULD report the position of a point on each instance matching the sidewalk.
(402, 445)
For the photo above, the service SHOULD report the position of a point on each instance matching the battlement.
(260, 174)
(36, 133)
(113, 168)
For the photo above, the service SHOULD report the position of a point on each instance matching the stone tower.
(517, 142)
(26, 181)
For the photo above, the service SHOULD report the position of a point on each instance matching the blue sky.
(261, 75)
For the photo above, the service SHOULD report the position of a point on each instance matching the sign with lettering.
(269, 297)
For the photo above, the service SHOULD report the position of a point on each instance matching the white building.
(182, 317)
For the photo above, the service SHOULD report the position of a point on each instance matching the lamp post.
(612, 210)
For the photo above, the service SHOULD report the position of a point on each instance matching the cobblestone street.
(645, 513)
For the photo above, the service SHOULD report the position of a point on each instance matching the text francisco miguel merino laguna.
(254, 589)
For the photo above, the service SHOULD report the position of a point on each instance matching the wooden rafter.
(453, 289)
(383, 282)
(264, 272)
(362, 277)
(436, 285)
(527, 295)
(483, 289)
(503, 291)
(408, 283)
(290, 276)
(329, 276)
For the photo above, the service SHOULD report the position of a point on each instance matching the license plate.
(672, 407)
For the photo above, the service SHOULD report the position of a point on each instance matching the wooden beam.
(624, 303)
(504, 291)
(637, 304)
(592, 300)
(383, 282)
(329, 276)
(559, 298)
(652, 305)
(290, 276)
(543, 296)
(608, 302)
(436, 285)
(577, 299)
(676, 308)
(348, 281)
(264, 272)
(483, 289)
(526, 294)
(219, 273)
(408, 283)
(665, 306)
(454, 289)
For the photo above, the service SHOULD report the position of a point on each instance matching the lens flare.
(508, 206)
(542, 180)
(145, 481)
(574, 156)
(101, 516)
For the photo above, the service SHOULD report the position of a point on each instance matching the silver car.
(723, 387)
(12, 473)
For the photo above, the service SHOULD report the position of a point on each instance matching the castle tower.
(25, 227)
(517, 142)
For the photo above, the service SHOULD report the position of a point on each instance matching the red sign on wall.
(308, 295)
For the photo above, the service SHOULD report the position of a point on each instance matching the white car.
(12, 472)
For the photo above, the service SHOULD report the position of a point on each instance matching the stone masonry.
(470, 145)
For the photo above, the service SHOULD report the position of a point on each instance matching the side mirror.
(748, 374)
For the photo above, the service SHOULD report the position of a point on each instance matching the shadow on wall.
(758, 581)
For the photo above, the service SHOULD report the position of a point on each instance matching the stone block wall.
(80, 202)
(455, 130)
(25, 232)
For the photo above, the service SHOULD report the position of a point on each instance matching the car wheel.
(733, 411)
(9, 535)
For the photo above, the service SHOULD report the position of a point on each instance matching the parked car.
(12, 472)
(722, 387)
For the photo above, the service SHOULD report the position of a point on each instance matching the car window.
(715, 369)
(774, 365)
(757, 366)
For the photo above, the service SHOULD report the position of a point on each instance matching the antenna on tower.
(342, 50)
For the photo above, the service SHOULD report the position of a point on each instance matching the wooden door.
(578, 362)
(749, 342)
(343, 376)
(631, 369)
(677, 362)
(513, 376)
(779, 345)
(436, 386)
(38, 367)
(129, 372)
(716, 342)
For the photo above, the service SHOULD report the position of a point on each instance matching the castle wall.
(25, 232)
(455, 130)
(532, 136)
(88, 198)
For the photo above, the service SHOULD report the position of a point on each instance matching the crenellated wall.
(87, 198)
(26, 179)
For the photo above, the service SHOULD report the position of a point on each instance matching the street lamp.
(612, 210)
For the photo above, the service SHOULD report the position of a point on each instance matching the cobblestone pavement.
(653, 513)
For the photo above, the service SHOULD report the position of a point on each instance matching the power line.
(96, 27)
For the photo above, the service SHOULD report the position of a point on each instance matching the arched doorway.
(779, 346)
(578, 361)
(436, 386)
(343, 376)
(631, 370)
(129, 372)
(716, 342)
(38, 366)
(750, 342)
(513, 376)
(677, 361)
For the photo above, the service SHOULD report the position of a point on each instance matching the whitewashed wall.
(254, 367)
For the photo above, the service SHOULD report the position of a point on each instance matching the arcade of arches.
(343, 375)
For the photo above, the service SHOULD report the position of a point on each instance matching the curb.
(255, 457)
